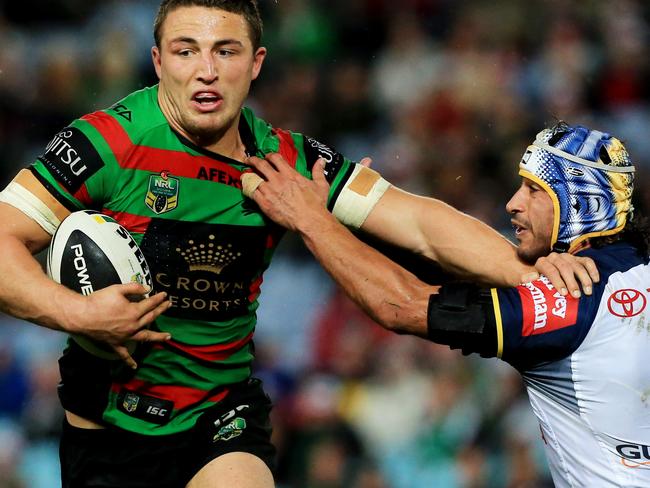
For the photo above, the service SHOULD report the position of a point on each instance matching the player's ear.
(155, 56)
(258, 60)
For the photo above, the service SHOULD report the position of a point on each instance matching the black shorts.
(115, 458)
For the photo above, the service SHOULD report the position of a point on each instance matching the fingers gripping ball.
(91, 251)
(250, 182)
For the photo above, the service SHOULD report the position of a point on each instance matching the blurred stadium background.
(444, 95)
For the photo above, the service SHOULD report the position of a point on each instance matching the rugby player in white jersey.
(583, 360)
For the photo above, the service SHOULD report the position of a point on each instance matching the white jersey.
(586, 365)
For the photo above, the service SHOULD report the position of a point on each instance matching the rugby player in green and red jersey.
(165, 162)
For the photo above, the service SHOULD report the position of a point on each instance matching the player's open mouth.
(519, 229)
(207, 101)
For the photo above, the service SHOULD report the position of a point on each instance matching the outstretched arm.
(461, 244)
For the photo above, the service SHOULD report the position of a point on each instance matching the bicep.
(396, 219)
(462, 244)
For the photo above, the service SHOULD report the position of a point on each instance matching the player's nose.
(516, 202)
(207, 70)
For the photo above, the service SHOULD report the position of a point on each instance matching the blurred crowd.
(444, 95)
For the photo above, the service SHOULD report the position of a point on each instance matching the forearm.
(392, 296)
(26, 292)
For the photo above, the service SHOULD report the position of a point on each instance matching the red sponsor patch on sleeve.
(544, 308)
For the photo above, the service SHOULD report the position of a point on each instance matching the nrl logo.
(162, 193)
(230, 430)
(130, 402)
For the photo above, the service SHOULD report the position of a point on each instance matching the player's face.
(532, 218)
(205, 64)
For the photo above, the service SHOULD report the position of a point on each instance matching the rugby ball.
(91, 251)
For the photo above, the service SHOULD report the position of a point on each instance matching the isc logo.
(160, 412)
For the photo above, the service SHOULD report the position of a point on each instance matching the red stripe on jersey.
(544, 308)
(179, 163)
(216, 352)
(181, 396)
(287, 146)
(133, 223)
(274, 237)
(153, 159)
(83, 196)
(255, 289)
(112, 132)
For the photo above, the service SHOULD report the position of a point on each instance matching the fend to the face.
(205, 63)
(531, 208)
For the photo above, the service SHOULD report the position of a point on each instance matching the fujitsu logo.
(325, 152)
(627, 302)
(67, 154)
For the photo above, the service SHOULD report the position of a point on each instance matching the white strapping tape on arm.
(19, 197)
(359, 196)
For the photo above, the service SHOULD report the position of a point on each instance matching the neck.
(226, 141)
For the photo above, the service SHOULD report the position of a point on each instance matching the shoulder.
(132, 117)
(300, 150)
(617, 257)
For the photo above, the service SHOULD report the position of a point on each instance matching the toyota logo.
(626, 303)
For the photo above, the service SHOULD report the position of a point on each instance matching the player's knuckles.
(276, 158)
(253, 161)
(555, 277)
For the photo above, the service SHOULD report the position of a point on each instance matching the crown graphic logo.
(208, 256)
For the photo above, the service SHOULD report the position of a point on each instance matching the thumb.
(318, 172)
(367, 162)
(529, 277)
(124, 355)
(250, 181)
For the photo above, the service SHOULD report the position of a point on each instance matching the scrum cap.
(590, 178)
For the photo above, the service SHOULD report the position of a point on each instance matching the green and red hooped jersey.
(206, 244)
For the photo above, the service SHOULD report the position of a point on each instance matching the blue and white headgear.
(590, 178)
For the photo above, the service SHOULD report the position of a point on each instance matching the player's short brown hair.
(247, 8)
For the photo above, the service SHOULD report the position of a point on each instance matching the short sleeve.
(338, 168)
(78, 167)
(536, 324)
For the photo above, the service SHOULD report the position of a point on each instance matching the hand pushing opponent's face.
(532, 211)
(205, 63)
